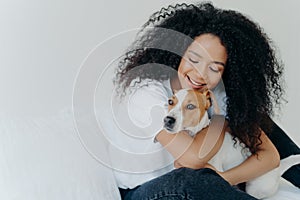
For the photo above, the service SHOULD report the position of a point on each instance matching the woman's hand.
(177, 164)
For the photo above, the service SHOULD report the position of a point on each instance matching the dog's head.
(187, 111)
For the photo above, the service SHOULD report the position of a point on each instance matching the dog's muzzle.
(169, 123)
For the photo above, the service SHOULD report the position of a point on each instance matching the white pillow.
(44, 159)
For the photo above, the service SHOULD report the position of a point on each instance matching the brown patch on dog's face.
(172, 102)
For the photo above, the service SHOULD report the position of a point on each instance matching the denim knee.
(192, 172)
(199, 178)
(186, 184)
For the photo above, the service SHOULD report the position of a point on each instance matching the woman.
(221, 46)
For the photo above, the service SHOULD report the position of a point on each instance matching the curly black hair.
(252, 75)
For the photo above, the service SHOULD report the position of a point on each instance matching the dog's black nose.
(169, 122)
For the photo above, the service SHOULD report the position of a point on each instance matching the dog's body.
(188, 111)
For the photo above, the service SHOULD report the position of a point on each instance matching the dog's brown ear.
(208, 99)
(213, 102)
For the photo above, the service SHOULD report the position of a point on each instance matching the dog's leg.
(267, 184)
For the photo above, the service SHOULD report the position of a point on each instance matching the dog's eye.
(170, 102)
(190, 106)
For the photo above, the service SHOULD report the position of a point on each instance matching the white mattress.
(286, 192)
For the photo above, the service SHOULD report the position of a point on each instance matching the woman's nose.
(201, 71)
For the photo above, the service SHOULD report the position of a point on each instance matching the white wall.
(43, 44)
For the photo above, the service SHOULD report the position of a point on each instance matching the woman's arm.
(267, 158)
(195, 152)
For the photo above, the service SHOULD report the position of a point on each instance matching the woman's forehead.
(208, 46)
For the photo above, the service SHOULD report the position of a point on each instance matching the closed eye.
(214, 68)
(190, 106)
(193, 61)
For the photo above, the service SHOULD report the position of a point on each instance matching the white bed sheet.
(43, 159)
(286, 192)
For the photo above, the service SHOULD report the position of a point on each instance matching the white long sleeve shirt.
(135, 157)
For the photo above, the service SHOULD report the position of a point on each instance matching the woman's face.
(203, 63)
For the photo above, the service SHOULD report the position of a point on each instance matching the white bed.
(43, 159)
(286, 192)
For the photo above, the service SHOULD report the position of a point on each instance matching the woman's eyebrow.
(219, 63)
(198, 55)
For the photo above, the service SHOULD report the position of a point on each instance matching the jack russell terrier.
(188, 112)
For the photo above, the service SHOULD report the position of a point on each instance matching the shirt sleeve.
(147, 106)
(137, 119)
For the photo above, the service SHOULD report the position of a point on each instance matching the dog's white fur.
(230, 154)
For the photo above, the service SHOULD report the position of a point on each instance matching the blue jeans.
(188, 184)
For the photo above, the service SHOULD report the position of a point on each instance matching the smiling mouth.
(194, 83)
